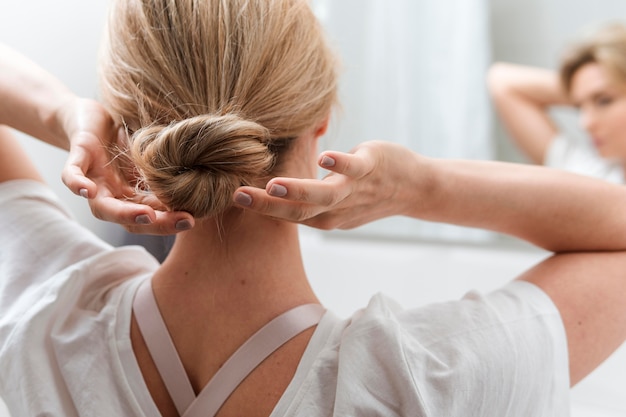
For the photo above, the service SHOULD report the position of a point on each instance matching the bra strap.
(249, 355)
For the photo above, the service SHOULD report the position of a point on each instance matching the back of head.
(605, 45)
(213, 91)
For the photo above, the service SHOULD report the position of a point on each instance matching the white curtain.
(413, 73)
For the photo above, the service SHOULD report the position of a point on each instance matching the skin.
(601, 100)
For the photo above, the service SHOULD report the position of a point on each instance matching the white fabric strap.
(161, 347)
(249, 355)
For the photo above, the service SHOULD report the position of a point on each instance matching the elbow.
(498, 80)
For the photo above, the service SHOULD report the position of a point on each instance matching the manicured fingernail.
(243, 199)
(183, 225)
(277, 190)
(83, 193)
(143, 219)
(327, 161)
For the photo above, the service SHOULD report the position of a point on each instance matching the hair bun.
(196, 164)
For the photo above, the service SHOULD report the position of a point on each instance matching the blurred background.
(413, 72)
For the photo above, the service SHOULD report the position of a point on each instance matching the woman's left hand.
(367, 184)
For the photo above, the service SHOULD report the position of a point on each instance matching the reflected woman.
(592, 78)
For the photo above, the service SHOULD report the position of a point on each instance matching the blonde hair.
(218, 89)
(605, 46)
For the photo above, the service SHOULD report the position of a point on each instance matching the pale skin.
(247, 278)
(524, 95)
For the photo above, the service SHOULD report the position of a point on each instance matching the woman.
(592, 78)
(216, 94)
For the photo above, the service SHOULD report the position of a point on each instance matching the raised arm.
(549, 208)
(32, 99)
(35, 102)
(522, 96)
(563, 212)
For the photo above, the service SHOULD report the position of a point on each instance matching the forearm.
(31, 99)
(552, 209)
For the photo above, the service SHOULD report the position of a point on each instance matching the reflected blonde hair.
(605, 46)
(214, 90)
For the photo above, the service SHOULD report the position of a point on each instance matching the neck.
(248, 266)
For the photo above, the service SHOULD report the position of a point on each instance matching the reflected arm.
(522, 96)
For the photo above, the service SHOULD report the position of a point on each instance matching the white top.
(65, 308)
(579, 158)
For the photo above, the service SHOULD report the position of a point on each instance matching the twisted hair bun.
(196, 164)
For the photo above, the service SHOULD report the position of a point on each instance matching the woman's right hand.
(367, 184)
(93, 171)
(547, 207)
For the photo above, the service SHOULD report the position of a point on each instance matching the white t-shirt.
(65, 308)
(581, 159)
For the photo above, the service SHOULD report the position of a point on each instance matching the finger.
(311, 215)
(166, 223)
(325, 192)
(257, 200)
(140, 218)
(148, 199)
(354, 165)
(73, 174)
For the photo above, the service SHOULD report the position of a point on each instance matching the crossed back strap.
(249, 355)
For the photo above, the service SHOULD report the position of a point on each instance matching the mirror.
(536, 33)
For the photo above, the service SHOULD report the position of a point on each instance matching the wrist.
(61, 122)
(422, 186)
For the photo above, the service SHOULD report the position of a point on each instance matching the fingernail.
(143, 219)
(183, 225)
(83, 193)
(243, 199)
(327, 161)
(277, 190)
